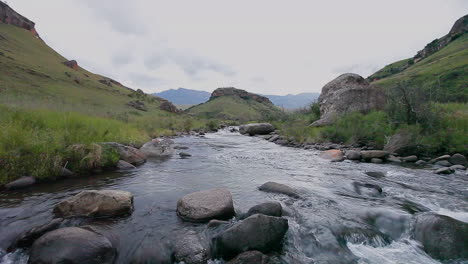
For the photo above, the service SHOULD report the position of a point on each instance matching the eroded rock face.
(443, 237)
(72, 64)
(72, 245)
(257, 232)
(158, 148)
(168, 107)
(347, 93)
(257, 129)
(10, 16)
(205, 205)
(103, 203)
(231, 91)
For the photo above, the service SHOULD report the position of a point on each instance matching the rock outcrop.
(231, 91)
(10, 16)
(73, 64)
(168, 106)
(348, 93)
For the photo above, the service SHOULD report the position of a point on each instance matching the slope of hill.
(441, 67)
(236, 104)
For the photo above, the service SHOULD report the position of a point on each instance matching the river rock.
(21, 183)
(72, 245)
(374, 154)
(443, 237)
(458, 159)
(28, 238)
(203, 206)
(185, 155)
(445, 170)
(412, 158)
(274, 138)
(250, 257)
(444, 157)
(458, 167)
(443, 163)
(123, 165)
(347, 93)
(256, 129)
(275, 187)
(333, 155)
(420, 162)
(376, 161)
(189, 249)
(152, 252)
(129, 154)
(92, 203)
(353, 155)
(257, 232)
(393, 159)
(158, 148)
(268, 208)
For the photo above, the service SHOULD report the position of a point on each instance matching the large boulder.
(72, 245)
(21, 183)
(347, 93)
(92, 203)
(267, 208)
(129, 154)
(257, 232)
(443, 237)
(205, 205)
(256, 129)
(158, 148)
(275, 187)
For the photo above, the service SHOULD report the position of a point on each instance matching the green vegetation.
(236, 108)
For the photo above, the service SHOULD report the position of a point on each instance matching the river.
(331, 223)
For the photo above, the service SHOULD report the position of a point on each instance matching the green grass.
(444, 74)
(236, 108)
(390, 69)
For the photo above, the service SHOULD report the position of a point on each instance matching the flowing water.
(331, 223)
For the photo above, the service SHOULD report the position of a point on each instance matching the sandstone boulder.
(158, 148)
(72, 245)
(205, 205)
(256, 129)
(347, 93)
(103, 203)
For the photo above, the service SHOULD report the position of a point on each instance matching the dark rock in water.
(257, 232)
(158, 148)
(180, 147)
(458, 159)
(347, 93)
(376, 161)
(393, 159)
(281, 142)
(444, 157)
(443, 163)
(402, 143)
(367, 189)
(21, 183)
(216, 223)
(444, 171)
(458, 167)
(420, 162)
(250, 257)
(443, 237)
(353, 155)
(203, 206)
(123, 165)
(275, 187)
(72, 245)
(152, 253)
(185, 155)
(268, 208)
(333, 155)
(257, 129)
(28, 238)
(190, 250)
(374, 154)
(412, 158)
(376, 174)
(92, 203)
(412, 207)
(66, 173)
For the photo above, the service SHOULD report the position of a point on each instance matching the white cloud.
(264, 46)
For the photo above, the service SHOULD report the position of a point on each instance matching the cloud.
(146, 80)
(122, 58)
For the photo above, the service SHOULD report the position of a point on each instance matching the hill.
(236, 104)
(441, 68)
(182, 97)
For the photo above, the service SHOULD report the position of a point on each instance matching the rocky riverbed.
(241, 199)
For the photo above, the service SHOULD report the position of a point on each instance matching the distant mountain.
(184, 96)
(293, 101)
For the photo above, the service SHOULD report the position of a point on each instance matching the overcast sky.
(263, 46)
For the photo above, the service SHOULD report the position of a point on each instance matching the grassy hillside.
(236, 108)
(444, 74)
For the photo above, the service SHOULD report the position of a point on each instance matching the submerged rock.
(367, 189)
(275, 187)
(158, 148)
(257, 232)
(103, 203)
(185, 155)
(189, 249)
(21, 183)
(443, 237)
(123, 165)
(203, 206)
(268, 208)
(152, 252)
(250, 257)
(28, 238)
(257, 129)
(72, 245)
(353, 155)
